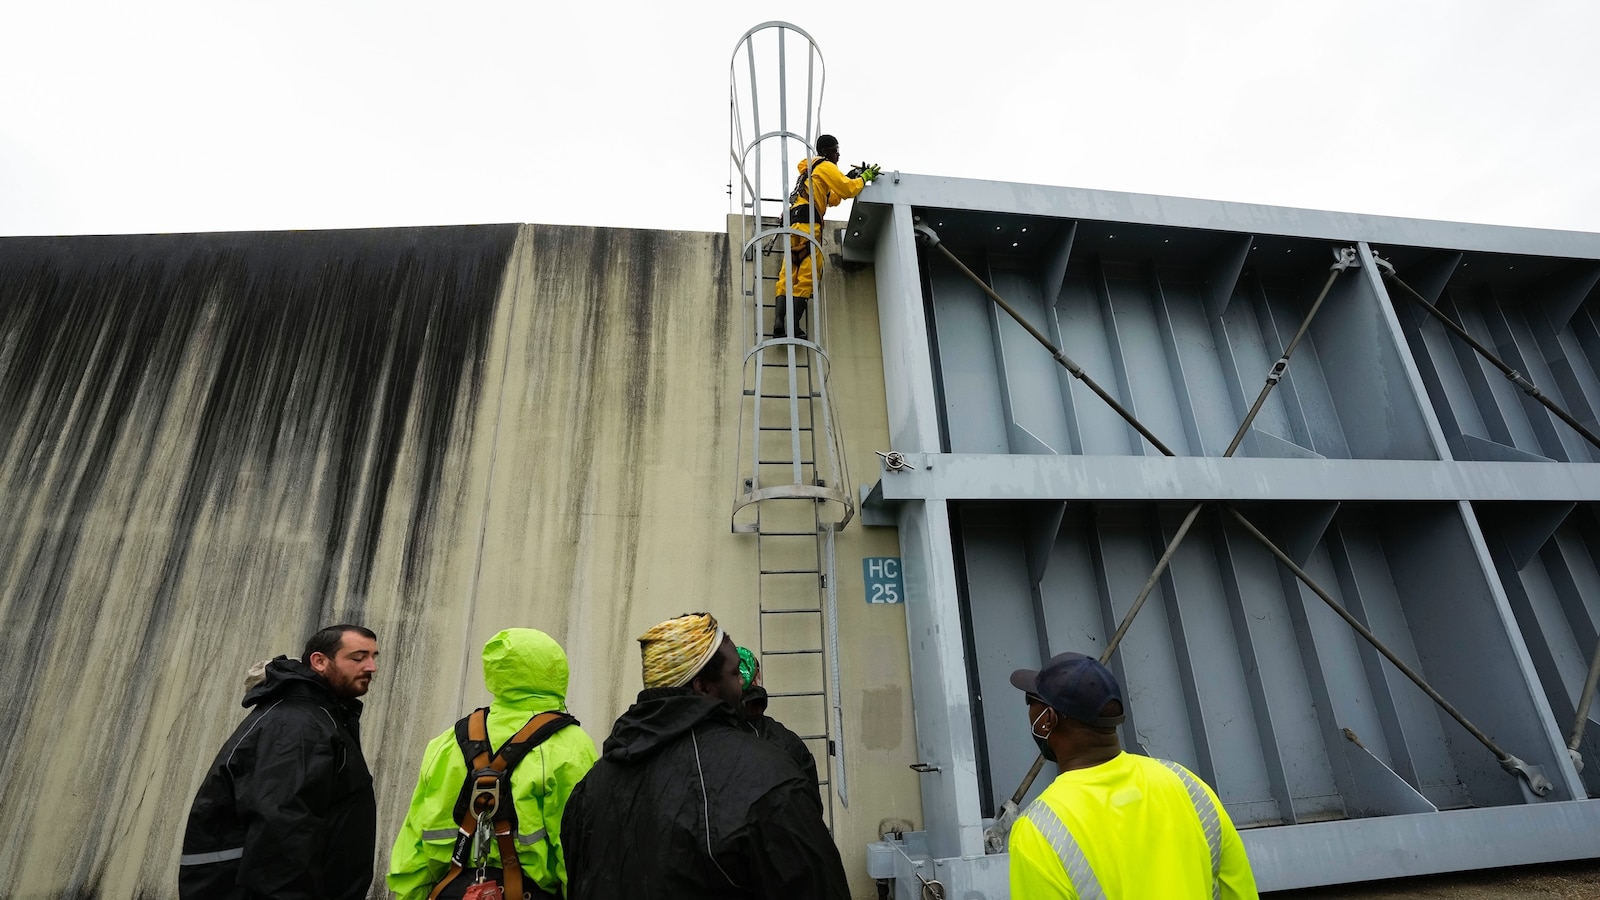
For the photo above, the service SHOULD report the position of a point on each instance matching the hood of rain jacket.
(286, 809)
(526, 671)
(687, 802)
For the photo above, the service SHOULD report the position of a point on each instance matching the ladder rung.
(812, 737)
(780, 612)
(785, 428)
(789, 533)
(791, 571)
(784, 365)
(797, 694)
(751, 392)
(781, 462)
(790, 652)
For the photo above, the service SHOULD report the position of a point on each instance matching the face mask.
(1044, 744)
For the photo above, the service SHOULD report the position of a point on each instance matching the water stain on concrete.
(881, 722)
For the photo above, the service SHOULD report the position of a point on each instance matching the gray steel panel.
(1179, 309)
(1554, 597)
(968, 369)
(1032, 390)
(1087, 335)
(1277, 673)
(1376, 790)
(1068, 605)
(1153, 388)
(1158, 717)
(1211, 666)
(1379, 413)
(1002, 601)
(1467, 641)
(1207, 389)
(1573, 374)
(1411, 730)
(1303, 396)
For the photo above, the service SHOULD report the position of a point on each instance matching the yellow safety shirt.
(1128, 829)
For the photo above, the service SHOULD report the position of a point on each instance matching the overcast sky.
(202, 116)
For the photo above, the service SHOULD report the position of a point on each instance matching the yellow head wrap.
(677, 649)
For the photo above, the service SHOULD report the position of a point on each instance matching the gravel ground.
(1566, 881)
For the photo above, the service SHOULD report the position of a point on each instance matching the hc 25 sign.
(883, 579)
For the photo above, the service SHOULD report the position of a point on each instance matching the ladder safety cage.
(785, 378)
(792, 488)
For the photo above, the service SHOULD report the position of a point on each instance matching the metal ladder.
(792, 490)
(797, 625)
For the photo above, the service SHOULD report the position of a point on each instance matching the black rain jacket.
(778, 735)
(686, 803)
(286, 809)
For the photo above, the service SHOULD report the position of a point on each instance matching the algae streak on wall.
(210, 445)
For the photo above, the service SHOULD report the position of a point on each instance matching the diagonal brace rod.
(1056, 353)
(1585, 699)
(1345, 257)
(1512, 375)
(1532, 390)
(1511, 764)
(1514, 766)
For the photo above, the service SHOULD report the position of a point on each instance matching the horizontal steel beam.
(962, 476)
(924, 191)
(1300, 856)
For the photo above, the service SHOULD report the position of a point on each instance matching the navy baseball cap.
(1076, 686)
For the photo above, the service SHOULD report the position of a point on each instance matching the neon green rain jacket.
(526, 671)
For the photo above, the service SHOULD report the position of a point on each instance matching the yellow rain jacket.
(826, 188)
(526, 671)
(1137, 827)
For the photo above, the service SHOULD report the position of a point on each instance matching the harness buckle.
(486, 792)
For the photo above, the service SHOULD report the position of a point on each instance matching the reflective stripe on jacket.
(526, 671)
(1132, 827)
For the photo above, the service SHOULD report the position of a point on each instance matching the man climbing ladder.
(820, 187)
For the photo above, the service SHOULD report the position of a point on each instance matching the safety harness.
(801, 193)
(800, 197)
(485, 808)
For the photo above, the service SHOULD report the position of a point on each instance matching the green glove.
(749, 669)
(871, 172)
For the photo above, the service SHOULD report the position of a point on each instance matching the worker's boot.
(780, 321)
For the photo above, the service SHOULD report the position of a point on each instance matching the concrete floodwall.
(211, 445)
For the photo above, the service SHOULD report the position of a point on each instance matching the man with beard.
(287, 809)
(685, 802)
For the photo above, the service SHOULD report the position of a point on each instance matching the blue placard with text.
(883, 579)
